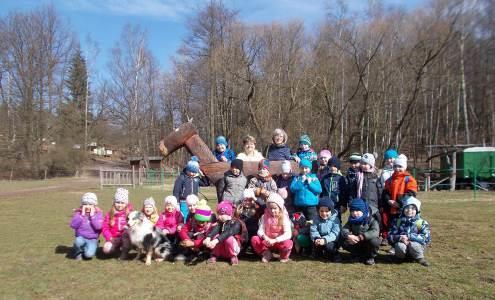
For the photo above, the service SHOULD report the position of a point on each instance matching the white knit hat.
(89, 199)
(121, 195)
(249, 194)
(411, 201)
(192, 199)
(171, 200)
(368, 158)
(401, 160)
(149, 201)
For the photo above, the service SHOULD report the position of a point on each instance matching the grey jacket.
(232, 187)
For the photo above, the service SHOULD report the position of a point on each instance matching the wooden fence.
(133, 177)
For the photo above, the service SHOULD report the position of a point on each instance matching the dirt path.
(69, 185)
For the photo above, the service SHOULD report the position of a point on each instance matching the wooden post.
(453, 174)
(132, 178)
(101, 179)
(45, 172)
(427, 182)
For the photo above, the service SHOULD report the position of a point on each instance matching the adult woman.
(250, 153)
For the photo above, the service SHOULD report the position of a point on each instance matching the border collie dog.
(146, 238)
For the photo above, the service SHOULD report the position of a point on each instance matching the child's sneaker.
(180, 257)
(78, 257)
(284, 260)
(234, 261)
(266, 257)
(211, 260)
(370, 261)
(423, 262)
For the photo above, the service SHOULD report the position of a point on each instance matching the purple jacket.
(86, 226)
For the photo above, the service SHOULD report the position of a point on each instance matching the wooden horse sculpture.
(187, 136)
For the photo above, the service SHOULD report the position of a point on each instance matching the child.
(250, 153)
(116, 237)
(350, 184)
(333, 185)
(388, 164)
(325, 231)
(225, 239)
(306, 188)
(410, 234)
(279, 150)
(398, 186)
(87, 222)
(194, 232)
(263, 184)
(250, 211)
(323, 167)
(188, 183)
(369, 185)
(274, 232)
(360, 234)
(283, 182)
(149, 210)
(170, 218)
(305, 151)
(222, 151)
(233, 183)
(300, 233)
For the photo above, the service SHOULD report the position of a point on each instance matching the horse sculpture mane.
(187, 136)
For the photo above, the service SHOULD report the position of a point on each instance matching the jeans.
(85, 247)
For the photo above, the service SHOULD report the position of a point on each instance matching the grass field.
(35, 237)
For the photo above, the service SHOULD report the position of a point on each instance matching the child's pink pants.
(227, 249)
(260, 246)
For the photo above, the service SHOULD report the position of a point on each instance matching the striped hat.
(203, 212)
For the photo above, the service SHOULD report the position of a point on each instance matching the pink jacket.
(170, 220)
(118, 227)
(268, 226)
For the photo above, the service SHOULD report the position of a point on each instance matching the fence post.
(453, 175)
(101, 178)
(132, 179)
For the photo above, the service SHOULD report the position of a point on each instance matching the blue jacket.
(276, 152)
(328, 229)
(228, 153)
(416, 229)
(185, 185)
(309, 154)
(305, 194)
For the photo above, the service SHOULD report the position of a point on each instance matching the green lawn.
(35, 237)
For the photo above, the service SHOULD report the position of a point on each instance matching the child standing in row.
(360, 233)
(278, 150)
(283, 182)
(305, 151)
(225, 239)
(399, 185)
(325, 231)
(410, 234)
(351, 181)
(323, 166)
(233, 183)
(333, 184)
(388, 164)
(87, 222)
(263, 184)
(114, 224)
(188, 183)
(222, 151)
(306, 187)
(274, 232)
(369, 185)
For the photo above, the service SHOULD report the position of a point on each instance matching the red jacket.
(194, 231)
(397, 186)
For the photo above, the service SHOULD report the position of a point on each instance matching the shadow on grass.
(63, 249)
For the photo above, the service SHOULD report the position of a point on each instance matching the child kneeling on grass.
(274, 232)
(194, 232)
(325, 231)
(361, 232)
(87, 222)
(115, 223)
(225, 238)
(410, 234)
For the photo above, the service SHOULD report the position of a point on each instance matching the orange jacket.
(396, 187)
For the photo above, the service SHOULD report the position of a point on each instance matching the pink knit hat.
(192, 199)
(277, 199)
(225, 208)
(325, 153)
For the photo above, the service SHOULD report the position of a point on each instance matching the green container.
(479, 160)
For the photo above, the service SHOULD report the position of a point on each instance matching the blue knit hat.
(221, 140)
(361, 205)
(194, 158)
(304, 163)
(192, 166)
(335, 162)
(304, 139)
(326, 202)
(390, 153)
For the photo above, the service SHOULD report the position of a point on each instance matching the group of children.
(275, 214)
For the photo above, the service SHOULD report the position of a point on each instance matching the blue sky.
(165, 20)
